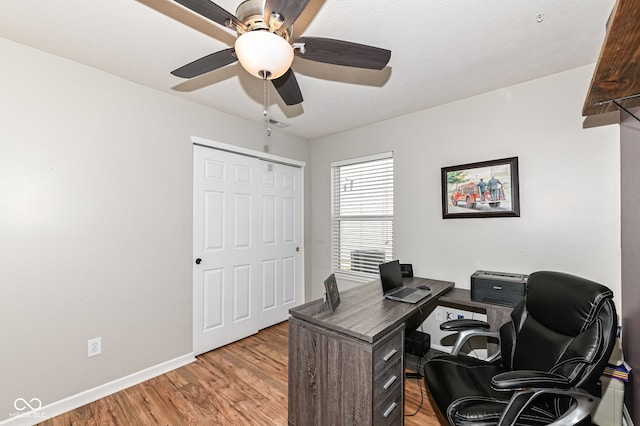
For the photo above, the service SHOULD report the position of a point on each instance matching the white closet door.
(225, 282)
(280, 239)
(246, 233)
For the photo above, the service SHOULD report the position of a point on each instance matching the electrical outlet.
(438, 314)
(94, 347)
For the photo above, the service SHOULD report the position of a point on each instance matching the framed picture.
(331, 292)
(484, 189)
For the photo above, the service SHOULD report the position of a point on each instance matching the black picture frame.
(462, 189)
(331, 292)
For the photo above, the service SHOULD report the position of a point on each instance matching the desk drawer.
(384, 383)
(389, 411)
(389, 351)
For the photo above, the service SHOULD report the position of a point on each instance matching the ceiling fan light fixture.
(261, 52)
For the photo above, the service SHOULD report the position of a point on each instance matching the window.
(362, 214)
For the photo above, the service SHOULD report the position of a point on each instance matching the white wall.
(96, 222)
(569, 184)
(630, 202)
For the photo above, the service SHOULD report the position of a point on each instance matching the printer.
(500, 288)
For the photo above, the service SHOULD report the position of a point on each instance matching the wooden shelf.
(617, 74)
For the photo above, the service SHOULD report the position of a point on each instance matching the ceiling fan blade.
(340, 52)
(288, 89)
(212, 11)
(206, 64)
(289, 10)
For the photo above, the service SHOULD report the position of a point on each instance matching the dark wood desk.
(347, 367)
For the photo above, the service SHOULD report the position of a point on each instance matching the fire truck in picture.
(470, 194)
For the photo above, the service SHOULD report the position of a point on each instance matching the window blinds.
(362, 214)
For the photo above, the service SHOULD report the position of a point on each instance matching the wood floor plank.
(244, 383)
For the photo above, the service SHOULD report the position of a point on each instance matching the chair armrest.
(466, 329)
(584, 405)
(522, 379)
(465, 335)
(464, 324)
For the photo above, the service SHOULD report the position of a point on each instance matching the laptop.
(391, 277)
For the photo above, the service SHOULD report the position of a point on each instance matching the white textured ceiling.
(442, 51)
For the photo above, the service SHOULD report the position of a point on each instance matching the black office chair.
(552, 355)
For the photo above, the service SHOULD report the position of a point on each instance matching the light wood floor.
(244, 383)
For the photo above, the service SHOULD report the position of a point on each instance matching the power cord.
(417, 374)
(419, 380)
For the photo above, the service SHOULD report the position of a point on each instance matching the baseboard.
(445, 349)
(78, 400)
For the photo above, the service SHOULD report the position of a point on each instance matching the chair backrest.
(565, 325)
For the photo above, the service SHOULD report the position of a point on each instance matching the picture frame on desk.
(331, 292)
(481, 190)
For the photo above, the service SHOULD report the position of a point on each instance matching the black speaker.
(417, 343)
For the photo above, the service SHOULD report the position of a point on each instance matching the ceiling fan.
(265, 46)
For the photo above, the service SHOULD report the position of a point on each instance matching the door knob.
(198, 261)
(297, 248)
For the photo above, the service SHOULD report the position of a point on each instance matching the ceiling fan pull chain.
(265, 105)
